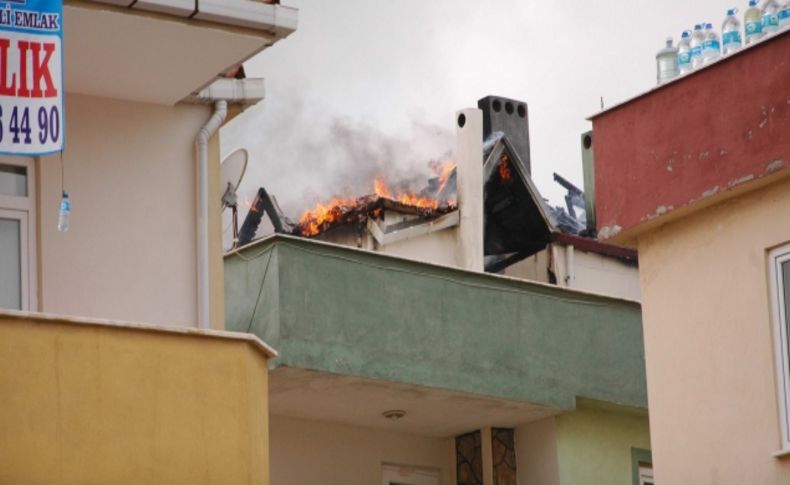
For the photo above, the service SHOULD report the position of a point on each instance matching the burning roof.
(437, 198)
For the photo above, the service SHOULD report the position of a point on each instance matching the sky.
(368, 88)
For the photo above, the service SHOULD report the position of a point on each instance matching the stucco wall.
(708, 342)
(130, 250)
(98, 403)
(594, 445)
(316, 452)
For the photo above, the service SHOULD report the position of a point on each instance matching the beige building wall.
(708, 342)
(536, 453)
(439, 247)
(130, 252)
(591, 272)
(316, 452)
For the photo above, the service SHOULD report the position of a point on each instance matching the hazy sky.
(367, 87)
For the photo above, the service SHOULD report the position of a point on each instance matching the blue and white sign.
(31, 76)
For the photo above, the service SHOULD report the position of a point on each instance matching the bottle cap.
(65, 195)
(708, 26)
(732, 11)
(698, 27)
(752, 3)
(685, 34)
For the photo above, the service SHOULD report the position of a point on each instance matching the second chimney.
(510, 117)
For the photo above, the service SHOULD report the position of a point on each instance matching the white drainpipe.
(570, 267)
(208, 130)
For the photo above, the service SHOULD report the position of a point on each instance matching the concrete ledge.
(91, 401)
(35, 317)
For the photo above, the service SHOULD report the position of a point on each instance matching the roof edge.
(261, 346)
(281, 21)
(269, 242)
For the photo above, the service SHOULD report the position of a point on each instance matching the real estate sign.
(31, 76)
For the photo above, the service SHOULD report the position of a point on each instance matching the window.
(779, 284)
(17, 234)
(645, 474)
(641, 467)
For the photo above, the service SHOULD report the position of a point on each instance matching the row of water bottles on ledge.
(702, 45)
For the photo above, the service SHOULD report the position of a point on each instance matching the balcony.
(461, 347)
(89, 401)
(159, 51)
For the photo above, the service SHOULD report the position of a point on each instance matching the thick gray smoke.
(303, 156)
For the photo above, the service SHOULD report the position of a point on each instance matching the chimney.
(510, 117)
(469, 172)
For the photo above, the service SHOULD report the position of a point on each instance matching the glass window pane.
(13, 180)
(785, 277)
(10, 265)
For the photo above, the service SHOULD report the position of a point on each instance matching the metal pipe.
(208, 130)
(570, 267)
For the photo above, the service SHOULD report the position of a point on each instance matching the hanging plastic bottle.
(770, 17)
(753, 22)
(667, 62)
(731, 33)
(63, 215)
(711, 48)
(697, 39)
(684, 52)
(784, 16)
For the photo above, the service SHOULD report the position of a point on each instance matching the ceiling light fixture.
(394, 414)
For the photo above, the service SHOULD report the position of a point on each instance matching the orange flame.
(504, 168)
(445, 170)
(381, 188)
(313, 221)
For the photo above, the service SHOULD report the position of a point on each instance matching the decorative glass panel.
(469, 459)
(503, 451)
(13, 180)
(10, 265)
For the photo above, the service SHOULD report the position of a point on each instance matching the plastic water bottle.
(697, 39)
(753, 22)
(65, 210)
(711, 48)
(784, 16)
(684, 52)
(731, 33)
(770, 17)
(667, 62)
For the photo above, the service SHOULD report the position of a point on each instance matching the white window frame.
(23, 209)
(646, 474)
(776, 258)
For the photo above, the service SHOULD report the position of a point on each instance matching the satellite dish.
(231, 172)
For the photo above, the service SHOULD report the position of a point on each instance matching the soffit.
(358, 401)
(117, 53)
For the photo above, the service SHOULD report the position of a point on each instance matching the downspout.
(570, 267)
(208, 130)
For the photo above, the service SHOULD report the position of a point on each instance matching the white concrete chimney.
(469, 173)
